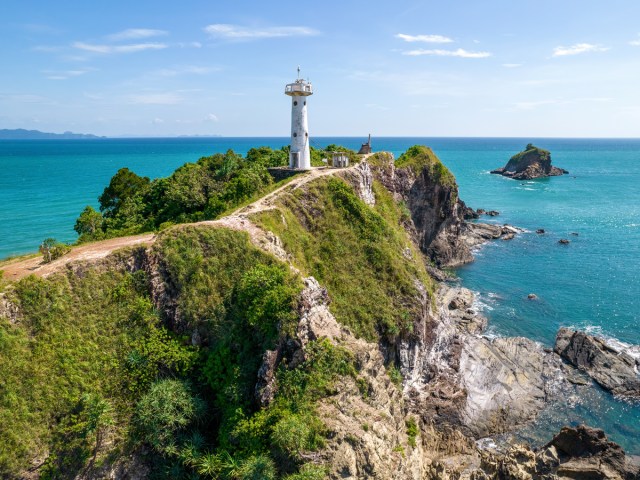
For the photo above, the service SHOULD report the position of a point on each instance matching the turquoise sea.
(593, 283)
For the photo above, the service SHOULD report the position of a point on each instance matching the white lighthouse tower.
(299, 156)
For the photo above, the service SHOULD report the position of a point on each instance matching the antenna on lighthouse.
(298, 72)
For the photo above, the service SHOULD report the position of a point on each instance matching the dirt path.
(90, 251)
(15, 270)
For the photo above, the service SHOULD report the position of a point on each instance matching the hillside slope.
(301, 337)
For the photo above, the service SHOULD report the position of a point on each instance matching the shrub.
(395, 375)
(51, 249)
(412, 430)
(309, 472)
(166, 410)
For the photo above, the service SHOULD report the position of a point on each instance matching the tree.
(89, 223)
(123, 185)
(51, 249)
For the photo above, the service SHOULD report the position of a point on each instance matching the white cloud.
(635, 43)
(511, 65)
(577, 49)
(155, 99)
(211, 118)
(237, 32)
(131, 48)
(136, 34)
(66, 74)
(157, 121)
(189, 45)
(424, 38)
(447, 53)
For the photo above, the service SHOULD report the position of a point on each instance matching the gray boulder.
(609, 365)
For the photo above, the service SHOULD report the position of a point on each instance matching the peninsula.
(531, 163)
(288, 329)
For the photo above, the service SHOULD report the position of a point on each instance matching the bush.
(308, 472)
(166, 410)
(412, 430)
(51, 249)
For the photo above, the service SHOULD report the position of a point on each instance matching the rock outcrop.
(574, 453)
(531, 163)
(438, 216)
(610, 365)
(456, 377)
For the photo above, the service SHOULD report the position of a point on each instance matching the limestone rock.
(507, 380)
(531, 163)
(436, 211)
(610, 365)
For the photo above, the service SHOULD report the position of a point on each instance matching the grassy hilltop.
(154, 353)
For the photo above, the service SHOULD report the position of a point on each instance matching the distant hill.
(22, 134)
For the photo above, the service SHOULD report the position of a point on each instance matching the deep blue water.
(591, 283)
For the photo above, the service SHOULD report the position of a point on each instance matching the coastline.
(454, 376)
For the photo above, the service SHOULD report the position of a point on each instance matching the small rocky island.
(531, 163)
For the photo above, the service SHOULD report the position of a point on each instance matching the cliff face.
(330, 352)
(437, 213)
(531, 163)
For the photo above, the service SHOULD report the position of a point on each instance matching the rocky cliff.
(419, 181)
(329, 350)
(531, 163)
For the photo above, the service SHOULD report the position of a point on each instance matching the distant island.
(22, 134)
(531, 163)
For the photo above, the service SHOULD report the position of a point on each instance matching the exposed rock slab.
(610, 365)
(507, 380)
(456, 377)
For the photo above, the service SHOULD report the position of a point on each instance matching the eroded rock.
(610, 365)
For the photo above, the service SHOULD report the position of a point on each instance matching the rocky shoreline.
(462, 381)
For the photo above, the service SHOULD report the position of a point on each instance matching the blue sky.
(560, 68)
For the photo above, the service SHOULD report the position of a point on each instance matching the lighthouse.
(299, 156)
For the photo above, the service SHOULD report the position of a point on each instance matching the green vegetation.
(92, 369)
(521, 159)
(318, 154)
(64, 365)
(90, 364)
(51, 249)
(372, 286)
(204, 190)
(412, 430)
(395, 375)
(420, 157)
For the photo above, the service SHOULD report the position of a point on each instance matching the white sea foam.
(482, 304)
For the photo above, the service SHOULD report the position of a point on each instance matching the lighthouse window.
(306, 134)
(295, 134)
(305, 102)
(295, 103)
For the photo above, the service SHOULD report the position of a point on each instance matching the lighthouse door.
(294, 161)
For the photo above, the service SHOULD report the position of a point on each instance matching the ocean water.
(593, 283)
